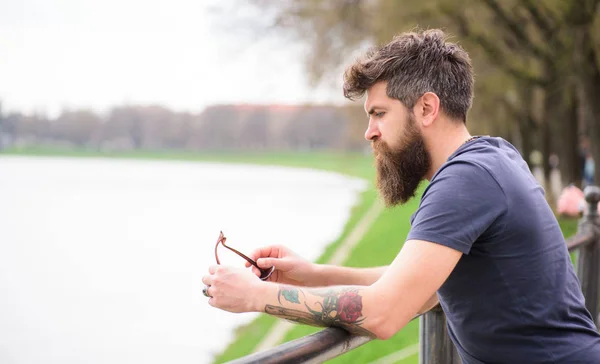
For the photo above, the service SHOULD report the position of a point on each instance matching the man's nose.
(372, 131)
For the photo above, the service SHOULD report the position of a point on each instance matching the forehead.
(377, 96)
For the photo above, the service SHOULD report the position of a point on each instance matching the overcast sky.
(57, 54)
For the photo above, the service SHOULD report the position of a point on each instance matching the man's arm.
(380, 309)
(297, 271)
(332, 275)
(340, 306)
(430, 304)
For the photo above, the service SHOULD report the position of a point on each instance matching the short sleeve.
(462, 201)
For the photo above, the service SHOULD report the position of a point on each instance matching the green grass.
(246, 338)
(568, 226)
(378, 246)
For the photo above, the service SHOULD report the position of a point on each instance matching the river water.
(101, 259)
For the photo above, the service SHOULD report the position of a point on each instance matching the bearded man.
(483, 242)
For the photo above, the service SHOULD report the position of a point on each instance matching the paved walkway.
(398, 355)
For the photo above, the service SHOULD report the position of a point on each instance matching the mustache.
(379, 146)
(384, 154)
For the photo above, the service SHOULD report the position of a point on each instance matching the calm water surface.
(101, 260)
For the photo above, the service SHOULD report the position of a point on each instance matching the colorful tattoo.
(338, 307)
(290, 294)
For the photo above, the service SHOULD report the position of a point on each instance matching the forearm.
(353, 308)
(431, 303)
(332, 275)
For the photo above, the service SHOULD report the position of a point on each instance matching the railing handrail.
(315, 348)
(579, 240)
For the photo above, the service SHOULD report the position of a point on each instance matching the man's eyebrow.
(372, 109)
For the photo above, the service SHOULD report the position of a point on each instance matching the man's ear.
(427, 108)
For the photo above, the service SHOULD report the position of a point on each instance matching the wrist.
(260, 296)
(318, 276)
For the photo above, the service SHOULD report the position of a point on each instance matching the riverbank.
(378, 246)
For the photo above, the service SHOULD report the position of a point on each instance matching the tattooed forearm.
(341, 307)
(289, 293)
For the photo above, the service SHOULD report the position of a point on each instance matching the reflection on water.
(101, 260)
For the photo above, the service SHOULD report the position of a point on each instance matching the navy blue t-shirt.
(513, 297)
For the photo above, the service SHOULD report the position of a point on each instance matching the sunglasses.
(264, 273)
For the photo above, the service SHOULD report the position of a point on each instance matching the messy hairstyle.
(415, 63)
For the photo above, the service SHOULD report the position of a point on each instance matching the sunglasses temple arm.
(243, 256)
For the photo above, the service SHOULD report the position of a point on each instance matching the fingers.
(266, 262)
(216, 302)
(207, 280)
(258, 253)
(206, 291)
(283, 264)
(270, 251)
(229, 288)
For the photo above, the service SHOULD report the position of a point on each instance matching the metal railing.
(434, 341)
(316, 348)
(587, 244)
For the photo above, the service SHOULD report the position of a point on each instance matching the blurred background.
(182, 110)
(266, 75)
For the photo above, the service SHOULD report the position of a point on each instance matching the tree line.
(217, 128)
(537, 62)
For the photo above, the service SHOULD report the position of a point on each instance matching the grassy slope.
(353, 164)
(379, 245)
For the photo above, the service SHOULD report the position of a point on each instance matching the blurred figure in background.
(556, 184)
(587, 161)
(589, 168)
(571, 202)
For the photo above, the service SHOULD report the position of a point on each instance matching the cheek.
(392, 131)
(393, 138)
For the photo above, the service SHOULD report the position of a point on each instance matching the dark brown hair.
(414, 63)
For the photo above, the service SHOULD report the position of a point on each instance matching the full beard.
(400, 171)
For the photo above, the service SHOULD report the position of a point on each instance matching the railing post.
(588, 262)
(435, 345)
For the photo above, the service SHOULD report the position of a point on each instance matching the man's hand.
(233, 289)
(290, 268)
(379, 309)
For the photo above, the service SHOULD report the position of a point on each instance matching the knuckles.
(216, 281)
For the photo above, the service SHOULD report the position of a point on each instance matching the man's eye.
(379, 114)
